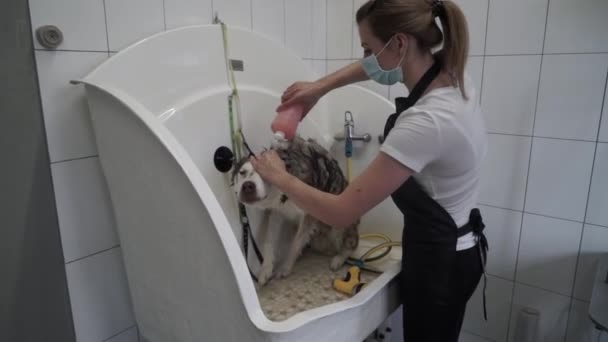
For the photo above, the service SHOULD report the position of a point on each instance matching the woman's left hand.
(269, 166)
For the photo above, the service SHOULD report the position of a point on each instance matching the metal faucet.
(349, 129)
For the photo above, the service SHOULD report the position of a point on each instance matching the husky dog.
(311, 163)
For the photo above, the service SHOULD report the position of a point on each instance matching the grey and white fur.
(311, 163)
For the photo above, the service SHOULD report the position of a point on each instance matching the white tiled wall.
(187, 12)
(101, 305)
(503, 181)
(68, 130)
(548, 268)
(129, 335)
(128, 21)
(476, 12)
(498, 296)
(503, 230)
(539, 65)
(577, 26)
(544, 185)
(553, 308)
(86, 218)
(509, 93)
(563, 112)
(340, 29)
(595, 240)
(557, 188)
(263, 9)
(516, 27)
(580, 328)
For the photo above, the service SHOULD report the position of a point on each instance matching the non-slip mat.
(307, 287)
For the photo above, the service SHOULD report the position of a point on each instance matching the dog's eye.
(242, 172)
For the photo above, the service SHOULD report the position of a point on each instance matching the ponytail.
(417, 18)
(455, 41)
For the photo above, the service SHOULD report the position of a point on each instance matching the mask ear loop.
(384, 47)
(398, 64)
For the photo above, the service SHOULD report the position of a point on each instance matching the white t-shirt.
(442, 138)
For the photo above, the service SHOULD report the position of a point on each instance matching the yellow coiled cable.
(387, 245)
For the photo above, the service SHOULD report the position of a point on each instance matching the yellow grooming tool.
(351, 284)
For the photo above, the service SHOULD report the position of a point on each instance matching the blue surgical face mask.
(375, 72)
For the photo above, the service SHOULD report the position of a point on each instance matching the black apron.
(430, 234)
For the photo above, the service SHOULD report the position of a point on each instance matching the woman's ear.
(403, 43)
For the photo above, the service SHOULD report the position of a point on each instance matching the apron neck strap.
(403, 103)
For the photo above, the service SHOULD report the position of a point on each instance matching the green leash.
(237, 140)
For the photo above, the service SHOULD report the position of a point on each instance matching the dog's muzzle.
(249, 192)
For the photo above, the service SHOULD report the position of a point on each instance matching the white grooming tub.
(159, 110)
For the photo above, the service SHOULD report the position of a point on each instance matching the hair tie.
(437, 8)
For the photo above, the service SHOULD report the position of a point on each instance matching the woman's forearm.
(381, 178)
(349, 74)
(325, 206)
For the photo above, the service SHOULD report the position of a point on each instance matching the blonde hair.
(417, 18)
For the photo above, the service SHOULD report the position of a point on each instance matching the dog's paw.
(284, 272)
(336, 262)
(264, 275)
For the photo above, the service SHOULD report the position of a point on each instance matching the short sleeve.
(414, 141)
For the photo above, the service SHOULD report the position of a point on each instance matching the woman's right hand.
(306, 94)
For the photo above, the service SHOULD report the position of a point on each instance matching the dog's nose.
(249, 187)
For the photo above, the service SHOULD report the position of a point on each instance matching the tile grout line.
(120, 332)
(47, 154)
(535, 112)
(543, 289)
(541, 137)
(521, 225)
(485, 44)
(541, 215)
(73, 159)
(499, 207)
(580, 243)
(599, 131)
(326, 36)
(105, 18)
(352, 27)
(477, 335)
(545, 54)
(92, 254)
(164, 15)
(312, 58)
(311, 52)
(72, 50)
(210, 12)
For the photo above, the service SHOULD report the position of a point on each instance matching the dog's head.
(250, 188)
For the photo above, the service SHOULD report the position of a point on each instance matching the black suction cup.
(223, 158)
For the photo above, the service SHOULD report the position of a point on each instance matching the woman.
(429, 162)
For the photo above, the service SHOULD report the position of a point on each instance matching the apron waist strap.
(477, 226)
